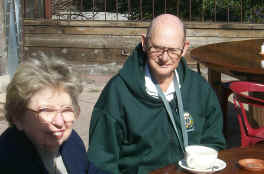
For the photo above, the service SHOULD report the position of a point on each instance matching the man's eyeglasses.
(49, 113)
(158, 51)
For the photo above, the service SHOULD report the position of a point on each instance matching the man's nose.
(164, 55)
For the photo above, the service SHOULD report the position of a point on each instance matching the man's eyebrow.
(158, 46)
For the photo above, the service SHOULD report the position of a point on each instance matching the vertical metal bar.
(36, 9)
(202, 10)
(22, 30)
(81, 6)
(241, 11)
(228, 13)
(214, 10)
(93, 9)
(178, 7)
(13, 45)
(42, 9)
(141, 10)
(105, 9)
(129, 8)
(153, 9)
(24, 8)
(18, 22)
(15, 21)
(165, 6)
(252, 11)
(117, 10)
(190, 10)
(53, 7)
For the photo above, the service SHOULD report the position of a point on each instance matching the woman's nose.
(58, 120)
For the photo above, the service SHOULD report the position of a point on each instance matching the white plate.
(219, 165)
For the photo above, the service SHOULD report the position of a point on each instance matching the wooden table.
(240, 59)
(230, 156)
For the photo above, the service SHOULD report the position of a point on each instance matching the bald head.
(166, 23)
(165, 36)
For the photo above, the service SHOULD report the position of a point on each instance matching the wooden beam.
(131, 24)
(80, 41)
(79, 56)
(85, 30)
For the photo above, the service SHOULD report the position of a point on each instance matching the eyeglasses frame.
(150, 45)
(57, 110)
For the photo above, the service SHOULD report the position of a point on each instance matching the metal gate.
(239, 11)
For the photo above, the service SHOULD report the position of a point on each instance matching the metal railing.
(243, 11)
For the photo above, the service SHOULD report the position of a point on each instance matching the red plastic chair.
(242, 91)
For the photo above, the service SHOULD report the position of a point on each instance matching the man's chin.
(165, 70)
(164, 73)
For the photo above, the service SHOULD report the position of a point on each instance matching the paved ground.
(93, 86)
(88, 98)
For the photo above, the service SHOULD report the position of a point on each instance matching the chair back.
(242, 92)
(252, 94)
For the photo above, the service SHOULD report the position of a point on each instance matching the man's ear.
(185, 48)
(143, 42)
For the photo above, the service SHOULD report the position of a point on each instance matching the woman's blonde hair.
(34, 74)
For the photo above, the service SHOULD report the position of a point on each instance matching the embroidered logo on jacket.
(188, 121)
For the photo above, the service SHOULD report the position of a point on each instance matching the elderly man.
(154, 106)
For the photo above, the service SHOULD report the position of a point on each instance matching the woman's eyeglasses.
(49, 114)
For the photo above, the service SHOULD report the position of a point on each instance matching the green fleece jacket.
(131, 132)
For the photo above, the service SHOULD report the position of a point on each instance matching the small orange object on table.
(252, 164)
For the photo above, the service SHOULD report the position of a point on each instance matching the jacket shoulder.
(74, 154)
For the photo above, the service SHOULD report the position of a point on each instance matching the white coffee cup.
(200, 157)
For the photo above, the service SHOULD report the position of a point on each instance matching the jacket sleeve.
(212, 134)
(104, 141)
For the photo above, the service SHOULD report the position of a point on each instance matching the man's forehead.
(168, 20)
(167, 37)
(174, 27)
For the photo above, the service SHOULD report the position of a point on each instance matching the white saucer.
(219, 165)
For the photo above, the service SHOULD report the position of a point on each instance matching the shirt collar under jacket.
(151, 88)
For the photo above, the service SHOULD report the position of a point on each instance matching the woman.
(41, 107)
